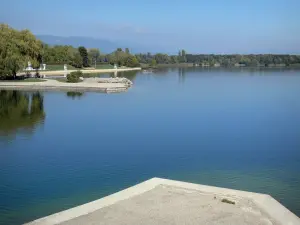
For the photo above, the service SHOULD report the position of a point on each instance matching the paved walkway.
(57, 72)
(87, 84)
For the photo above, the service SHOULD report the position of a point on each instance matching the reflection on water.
(73, 94)
(181, 75)
(216, 127)
(20, 111)
(131, 75)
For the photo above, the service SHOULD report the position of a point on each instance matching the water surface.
(229, 128)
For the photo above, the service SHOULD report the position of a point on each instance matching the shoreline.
(98, 85)
(58, 72)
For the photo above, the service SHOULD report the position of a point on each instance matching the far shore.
(58, 72)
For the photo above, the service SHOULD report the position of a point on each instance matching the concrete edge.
(268, 204)
(63, 88)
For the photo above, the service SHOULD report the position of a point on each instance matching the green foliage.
(77, 60)
(73, 77)
(132, 61)
(93, 55)
(153, 63)
(122, 58)
(221, 60)
(182, 56)
(246, 60)
(62, 54)
(16, 49)
(162, 58)
(84, 55)
(58, 54)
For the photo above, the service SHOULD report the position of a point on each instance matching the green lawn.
(58, 67)
(63, 79)
(61, 67)
(104, 66)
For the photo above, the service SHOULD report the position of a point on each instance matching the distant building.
(239, 65)
(205, 64)
(217, 65)
(277, 65)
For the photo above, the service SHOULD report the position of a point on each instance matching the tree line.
(83, 57)
(211, 60)
(17, 48)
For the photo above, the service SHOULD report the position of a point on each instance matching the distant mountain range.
(105, 46)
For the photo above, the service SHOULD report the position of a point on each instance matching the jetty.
(163, 202)
(107, 85)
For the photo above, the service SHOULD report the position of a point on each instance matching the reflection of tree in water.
(131, 75)
(74, 94)
(20, 111)
(181, 74)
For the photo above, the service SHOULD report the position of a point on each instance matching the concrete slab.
(50, 84)
(160, 201)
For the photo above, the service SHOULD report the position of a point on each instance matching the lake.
(236, 128)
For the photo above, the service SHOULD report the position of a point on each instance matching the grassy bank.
(61, 67)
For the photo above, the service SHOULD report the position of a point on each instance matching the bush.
(73, 77)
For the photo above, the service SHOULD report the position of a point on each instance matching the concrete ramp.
(160, 201)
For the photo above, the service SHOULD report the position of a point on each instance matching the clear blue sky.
(210, 26)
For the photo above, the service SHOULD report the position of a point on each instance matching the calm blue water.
(235, 129)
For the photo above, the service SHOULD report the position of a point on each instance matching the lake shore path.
(88, 84)
(62, 72)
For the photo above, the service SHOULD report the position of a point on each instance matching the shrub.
(73, 77)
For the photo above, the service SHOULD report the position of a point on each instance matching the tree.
(153, 63)
(162, 58)
(183, 56)
(76, 61)
(179, 53)
(173, 59)
(94, 55)
(83, 53)
(127, 51)
(132, 61)
(17, 48)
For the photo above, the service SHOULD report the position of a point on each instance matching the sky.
(210, 26)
